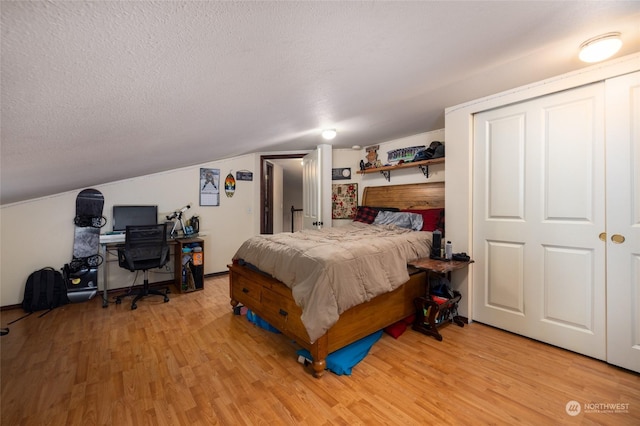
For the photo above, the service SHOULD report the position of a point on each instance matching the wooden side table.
(429, 310)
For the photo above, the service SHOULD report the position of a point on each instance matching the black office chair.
(145, 248)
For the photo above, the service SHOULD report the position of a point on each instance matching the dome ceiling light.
(329, 134)
(601, 47)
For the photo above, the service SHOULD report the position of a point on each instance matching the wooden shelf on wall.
(386, 170)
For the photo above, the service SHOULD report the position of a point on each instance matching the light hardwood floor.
(192, 362)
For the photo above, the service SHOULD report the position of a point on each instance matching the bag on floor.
(45, 289)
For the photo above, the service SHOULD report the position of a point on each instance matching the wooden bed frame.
(272, 300)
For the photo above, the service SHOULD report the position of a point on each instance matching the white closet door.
(623, 221)
(538, 210)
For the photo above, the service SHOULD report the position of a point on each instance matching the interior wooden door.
(538, 210)
(267, 198)
(623, 221)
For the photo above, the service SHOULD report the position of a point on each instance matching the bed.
(275, 302)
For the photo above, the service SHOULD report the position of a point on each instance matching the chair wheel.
(134, 306)
(166, 299)
(118, 301)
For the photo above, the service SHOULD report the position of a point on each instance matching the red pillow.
(395, 330)
(430, 219)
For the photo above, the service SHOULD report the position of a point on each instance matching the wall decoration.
(402, 155)
(244, 175)
(229, 185)
(344, 200)
(372, 157)
(209, 187)
(342, 173)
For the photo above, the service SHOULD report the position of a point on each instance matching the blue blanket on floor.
(343, 360)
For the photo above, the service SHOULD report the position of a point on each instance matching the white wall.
(408, 175)
(39, 232)
(351, 158)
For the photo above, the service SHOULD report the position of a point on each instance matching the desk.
(113, 241)
(108, 241)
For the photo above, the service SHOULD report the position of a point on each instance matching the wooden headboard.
(419, 196)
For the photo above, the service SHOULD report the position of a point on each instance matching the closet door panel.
(546, 280)
(569, 288)
(499, 210)
(505, 277)
(623, 221)
(570, 145)
(505, 168)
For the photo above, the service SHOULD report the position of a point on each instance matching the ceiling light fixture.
(329, 134)
(601, 47)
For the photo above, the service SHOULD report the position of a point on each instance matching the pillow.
(402, 219)
(432, 219)
(365, 214)
(395, 330)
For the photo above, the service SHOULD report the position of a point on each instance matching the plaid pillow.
(365, 214)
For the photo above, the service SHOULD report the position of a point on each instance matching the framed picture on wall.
(344, 200)
(343, 173)
(209, 187)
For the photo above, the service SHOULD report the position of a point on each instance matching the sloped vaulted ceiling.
(93, 92)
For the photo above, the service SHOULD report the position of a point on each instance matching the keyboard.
(112, 238)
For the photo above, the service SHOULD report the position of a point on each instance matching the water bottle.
(448, 250)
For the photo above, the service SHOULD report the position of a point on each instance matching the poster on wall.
(209, 187)
(244, 175)
(344, 200)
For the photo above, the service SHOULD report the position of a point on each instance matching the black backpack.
(45, 289)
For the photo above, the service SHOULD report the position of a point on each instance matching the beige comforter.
(333, 269)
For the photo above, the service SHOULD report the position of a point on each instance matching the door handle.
(617, 238)
(603, 236)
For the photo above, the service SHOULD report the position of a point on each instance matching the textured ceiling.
(93, 92)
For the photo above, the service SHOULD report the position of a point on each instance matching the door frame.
(266, 189)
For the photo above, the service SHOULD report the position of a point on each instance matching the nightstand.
(431, 311)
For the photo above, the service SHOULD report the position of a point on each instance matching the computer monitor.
(124, 216)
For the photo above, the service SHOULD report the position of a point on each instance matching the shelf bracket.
(386, 174)
(425, 170)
